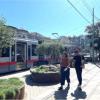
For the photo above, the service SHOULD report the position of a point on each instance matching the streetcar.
(21, 55)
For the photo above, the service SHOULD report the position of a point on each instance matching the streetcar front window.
(5, 52)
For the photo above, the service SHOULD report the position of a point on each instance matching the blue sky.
(49, 16)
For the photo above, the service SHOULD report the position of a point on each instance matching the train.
(19, 56)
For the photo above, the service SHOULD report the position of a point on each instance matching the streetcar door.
(21, 55)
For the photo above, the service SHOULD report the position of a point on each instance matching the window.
(34, 50)
(5, 52)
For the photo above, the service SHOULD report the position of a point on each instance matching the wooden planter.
(47, 77)
(11, 89)
(20, 94)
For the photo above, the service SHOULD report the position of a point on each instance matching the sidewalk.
(90, 87)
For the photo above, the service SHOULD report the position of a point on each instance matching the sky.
(50, 16)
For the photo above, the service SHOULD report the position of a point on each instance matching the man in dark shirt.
(78, 63)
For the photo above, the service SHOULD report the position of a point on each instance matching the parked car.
(88, 58)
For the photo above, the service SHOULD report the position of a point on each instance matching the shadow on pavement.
(29, 81)
(13, 72)
(78, 94)
(62, 94)
(97, 64)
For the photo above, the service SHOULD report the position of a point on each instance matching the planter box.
(47, 77)
(20, 94)
(11, 89)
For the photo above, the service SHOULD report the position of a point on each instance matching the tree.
(53, 50)
(6, 35)
(96, 29)
(42, 49)
(94, 32)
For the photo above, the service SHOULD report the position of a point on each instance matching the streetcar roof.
(26, 40)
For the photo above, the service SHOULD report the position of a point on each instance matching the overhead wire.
(77, 28)
(78, 12)
(87, 6)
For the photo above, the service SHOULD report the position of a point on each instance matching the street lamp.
(56, 35)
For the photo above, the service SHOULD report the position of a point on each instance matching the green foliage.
(94, 33)
(42, 49)
(55, 49)
(40, 69)
(45, 69)
(9, 88)
(6, 35)
(2, 96)
(10, 92)
(15, 81)
(52, 49)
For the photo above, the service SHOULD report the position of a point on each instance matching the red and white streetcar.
(21, 55)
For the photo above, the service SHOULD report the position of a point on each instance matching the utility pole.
(93, 36)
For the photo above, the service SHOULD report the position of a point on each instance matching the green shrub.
(45, 69)
(16, 82)
(2, 95)
(9, 88)
(3, 81)
(10, 92)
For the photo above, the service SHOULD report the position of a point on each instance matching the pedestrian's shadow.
(98, 65)
(79, 94)
(62, 94)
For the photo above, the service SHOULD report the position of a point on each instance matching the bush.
(51, 49)
(2, 96)
(45, 69)
(9, 88)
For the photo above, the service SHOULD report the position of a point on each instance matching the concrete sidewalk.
(90, 87)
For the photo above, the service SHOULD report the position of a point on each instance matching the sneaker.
(60, 88)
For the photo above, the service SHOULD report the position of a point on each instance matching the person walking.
(64, 70)
(78, 64)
